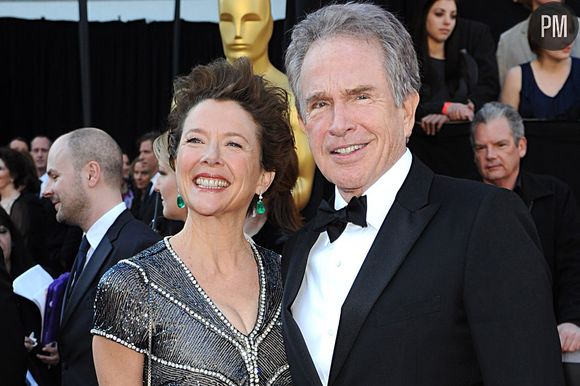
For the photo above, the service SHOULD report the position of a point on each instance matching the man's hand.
(460, 112)
(432, 123)
(53, 357)
(569, 337)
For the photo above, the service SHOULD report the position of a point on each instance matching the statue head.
(245, 27)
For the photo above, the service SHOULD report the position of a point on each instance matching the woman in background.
(458, 67)
(19, 198)
(166, 184)
(548, 87)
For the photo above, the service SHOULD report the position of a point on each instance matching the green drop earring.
(180, 202)
(260, 207)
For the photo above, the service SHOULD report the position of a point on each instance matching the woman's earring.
(180, 202)
(260, 207)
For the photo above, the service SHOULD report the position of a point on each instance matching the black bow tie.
(334, 221)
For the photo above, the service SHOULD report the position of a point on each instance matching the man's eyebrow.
(315, 96)
(360, 89)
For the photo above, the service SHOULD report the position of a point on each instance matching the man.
(499, 144)
(84, 168)
(151, 202)
(19, 144)
(513, 48)
(39, 147)
(441, 282)
(151, 210)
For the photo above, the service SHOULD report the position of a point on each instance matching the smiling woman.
(213, 297)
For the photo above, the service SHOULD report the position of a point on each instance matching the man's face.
(65, 186)
(497, 156)
(245, 28)
(39, 150)
(355, 131)
(147, 156)
(141, 175)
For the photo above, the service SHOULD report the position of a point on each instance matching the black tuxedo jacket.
(125, 238)
(454, 291)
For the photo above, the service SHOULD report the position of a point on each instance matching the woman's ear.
(265, 181)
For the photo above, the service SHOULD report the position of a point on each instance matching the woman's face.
(5, 241)
(218, 167)
(441, 20)
(5, 178)
(166, 185)
(126, 166)
(141, 175)
(558, 55)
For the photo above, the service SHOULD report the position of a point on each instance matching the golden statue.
(246, 28)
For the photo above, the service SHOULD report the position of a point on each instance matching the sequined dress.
(192, 341)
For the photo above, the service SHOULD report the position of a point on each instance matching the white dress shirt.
(98, 230)
(332, 268)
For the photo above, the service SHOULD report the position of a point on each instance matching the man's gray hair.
(90, 144)
(495, 110)
(360, 21)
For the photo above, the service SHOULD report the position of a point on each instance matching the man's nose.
(341, 121)
(490, 152)
(48, 189)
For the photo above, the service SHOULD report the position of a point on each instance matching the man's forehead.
(40, 143)
(146, 145)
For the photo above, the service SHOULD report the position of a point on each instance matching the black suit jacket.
(557, 218)
(454, 291)
(125, 238)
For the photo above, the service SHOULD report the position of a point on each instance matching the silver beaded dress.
(153, 300)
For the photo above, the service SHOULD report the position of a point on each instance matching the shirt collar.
(381, 194)
(97, 231)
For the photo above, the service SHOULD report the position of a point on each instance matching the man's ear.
(409, 107)
(522, 147)
(93, 170)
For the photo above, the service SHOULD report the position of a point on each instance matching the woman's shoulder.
(128, 271)
(270, 259)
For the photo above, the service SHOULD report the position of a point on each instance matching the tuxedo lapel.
(297, 351)
(403, 225)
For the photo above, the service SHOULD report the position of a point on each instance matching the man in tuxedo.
(417, 279)
(85, 175)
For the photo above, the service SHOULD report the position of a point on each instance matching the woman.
(205, 303)
(548, 87)
(19, 198)
(166, 184)
(459, 72)
(16, 258)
